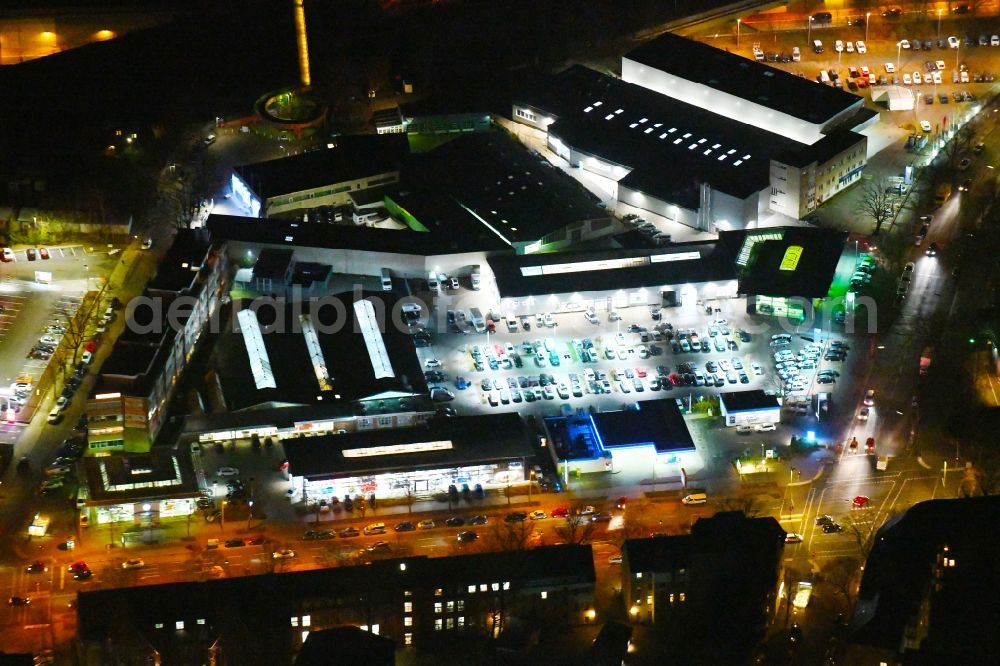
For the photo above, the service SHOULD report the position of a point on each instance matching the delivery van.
(432, 281)
(386, 280)
(695, 498)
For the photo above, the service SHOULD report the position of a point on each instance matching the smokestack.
(303, 43)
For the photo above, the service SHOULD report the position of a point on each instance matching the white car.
(940, 65)
(87, 357)
(432, 363)
(936, 77)
(743, 430)
(917, 78)
(764, 427)
(953, 42)
(870, 398)
(889, 68)
(284, 554)
(228, 471)
(905, 44)
(849, 47)
(620, 339)
(48, 340)
(864, 70)
(148, 243)
(925, 125)
(907, 81)
(838, 46)
(863, 414)
(8, 254)
(757, 370)
(862, 49)
(135, 563)
(995, 40)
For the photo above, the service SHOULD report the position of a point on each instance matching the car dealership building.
(701, 136)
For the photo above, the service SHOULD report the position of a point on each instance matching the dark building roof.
(745, 401)
(733, 74)
(656, 422)
(346, 646)
(905, 570)
(767, 249)
(356, 156)
(178, 269)
(550, 273)
(471, 440)
(507, 188)
(272, 264)
(127, 478)
(658, 553)
(343, 346)
(307, 273)
(449, 239)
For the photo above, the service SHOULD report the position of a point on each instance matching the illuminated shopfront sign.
(395, 449)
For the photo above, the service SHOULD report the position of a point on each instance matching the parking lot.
(597, 361)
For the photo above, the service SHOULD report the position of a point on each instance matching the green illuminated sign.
(791, 259)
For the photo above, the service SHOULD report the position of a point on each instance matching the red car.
(77, 567)
(640, 372)
(675, 379)
(622, 501)
(870, 446)
(860, 502)
(560, 512)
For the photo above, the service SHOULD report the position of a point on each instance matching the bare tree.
(577, 528)
(862, 533)
(875, 202)
(842, 573)
(632, 528)
(509, 536)
(959, 145)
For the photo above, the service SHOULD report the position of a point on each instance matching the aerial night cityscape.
(584, 332)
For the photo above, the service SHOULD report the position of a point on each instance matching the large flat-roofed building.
(344, 348)
(743, 90)
(141, 489)
(319, 177)
(680, 159)
(422, 460)
(654, 432)
(417, 602)
(127, 407)
(479, 190)
(779, 269)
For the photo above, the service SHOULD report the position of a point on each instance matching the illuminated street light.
(809, 32)
(939, 23)
(868, 17)
(738, 21)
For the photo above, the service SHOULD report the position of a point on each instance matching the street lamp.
(939, 23)
(738, 21)
(899, 48)
(809, 32)
(868, 17)
(958, 49)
